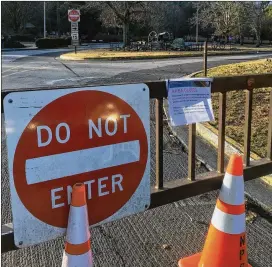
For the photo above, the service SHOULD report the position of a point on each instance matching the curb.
(18, 49)
(210, 134)
(70, 57)
(257, 190)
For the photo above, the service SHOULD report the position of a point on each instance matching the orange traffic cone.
(225, 244)
(78, 246)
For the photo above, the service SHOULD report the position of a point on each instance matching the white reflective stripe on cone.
(84, 260)
(78, 230)
(229, 223)
(232, 190)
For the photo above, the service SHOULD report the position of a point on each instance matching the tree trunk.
(258, 38)
(16, 24)
(241, 39)
(125, 33)
(58, 19)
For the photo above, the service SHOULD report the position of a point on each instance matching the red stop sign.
(74, 139)
(74, 15)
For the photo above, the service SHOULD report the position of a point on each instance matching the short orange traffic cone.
(226, 244)
(78, 246)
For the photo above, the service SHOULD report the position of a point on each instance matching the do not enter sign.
(98, 136)
(74, 15)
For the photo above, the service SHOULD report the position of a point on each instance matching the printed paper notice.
(189, 100)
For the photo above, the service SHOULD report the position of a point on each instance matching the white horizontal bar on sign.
(76, 162)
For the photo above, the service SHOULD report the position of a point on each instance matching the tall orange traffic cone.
(225, 245)
(78, 246)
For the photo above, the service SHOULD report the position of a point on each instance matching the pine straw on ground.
(106, 54)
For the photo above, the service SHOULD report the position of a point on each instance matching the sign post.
(98, 136)
(74, 18)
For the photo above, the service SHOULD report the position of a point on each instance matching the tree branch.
(114, 9)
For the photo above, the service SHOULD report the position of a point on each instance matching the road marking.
(27, 69)
(18, 72)
(57, 166)
(30, 68)
(73, 79)
(11, 69)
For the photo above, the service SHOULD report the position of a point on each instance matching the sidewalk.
(256, 190)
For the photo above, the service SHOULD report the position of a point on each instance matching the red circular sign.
(76, 110)
(74, 15)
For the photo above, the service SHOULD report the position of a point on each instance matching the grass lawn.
(263, 48)
(120, 55)
(236, 104)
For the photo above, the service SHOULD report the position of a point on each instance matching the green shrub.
(12, 44)
(178, 43)
(53, 43)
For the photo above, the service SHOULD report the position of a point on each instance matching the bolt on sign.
(95, 135)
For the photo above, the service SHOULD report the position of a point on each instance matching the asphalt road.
(137, 240)
(32, 70)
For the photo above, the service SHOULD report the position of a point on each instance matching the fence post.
(269, 141)
(191, 152)
(248, 119)
(192, 131)
(159, 142)
(221, 131)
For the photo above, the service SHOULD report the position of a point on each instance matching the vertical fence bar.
(247, 130)
(191, 152)
(269, 141)
(221, 132)
(192, 131)
(159, 143)
(205, 58)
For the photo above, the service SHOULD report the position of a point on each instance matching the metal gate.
(168, 192)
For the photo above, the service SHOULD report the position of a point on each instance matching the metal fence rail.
(164, 193)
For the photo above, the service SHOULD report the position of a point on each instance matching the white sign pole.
(74, 18)
(74, 34)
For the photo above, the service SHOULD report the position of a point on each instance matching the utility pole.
(197, 8)
(44, 21)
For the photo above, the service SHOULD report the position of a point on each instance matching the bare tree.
(16, 13)
(222, 16)
(267, 31)
(241, 20)
(196, 19)
(120, 14)
(256, 12)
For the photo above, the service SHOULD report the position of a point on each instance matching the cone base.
(192, 261)
(83, 260)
